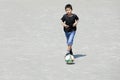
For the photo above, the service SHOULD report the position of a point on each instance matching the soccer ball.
(69, 58)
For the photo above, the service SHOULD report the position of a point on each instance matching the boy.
(69, 23)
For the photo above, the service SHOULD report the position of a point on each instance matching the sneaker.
(67, 54)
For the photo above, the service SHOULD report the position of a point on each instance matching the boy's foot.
(67, 54)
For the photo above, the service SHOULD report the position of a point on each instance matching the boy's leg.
(71, 52)
(70, 41)
(69, 48)
(67, 34)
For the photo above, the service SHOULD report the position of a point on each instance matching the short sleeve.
(76, 17)
(63, 18)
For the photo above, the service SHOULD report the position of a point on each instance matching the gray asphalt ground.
(33, 45)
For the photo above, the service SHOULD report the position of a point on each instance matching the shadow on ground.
(79, 55)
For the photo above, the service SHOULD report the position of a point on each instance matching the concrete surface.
(33, 45)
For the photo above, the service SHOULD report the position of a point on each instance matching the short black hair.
(68, 6)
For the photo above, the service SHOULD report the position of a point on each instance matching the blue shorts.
(70, 37)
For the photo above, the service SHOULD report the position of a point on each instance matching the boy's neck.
(69, 15)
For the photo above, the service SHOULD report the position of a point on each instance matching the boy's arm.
(64, 25)
(75, 24)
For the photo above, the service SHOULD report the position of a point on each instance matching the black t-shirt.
(70, 21)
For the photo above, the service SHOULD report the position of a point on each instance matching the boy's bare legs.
(70, 49)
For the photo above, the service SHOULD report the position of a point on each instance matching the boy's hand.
(75, 24)
(66, 26)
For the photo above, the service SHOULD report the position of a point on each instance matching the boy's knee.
(70, 43)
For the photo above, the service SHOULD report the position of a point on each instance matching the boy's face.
(68, 11)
